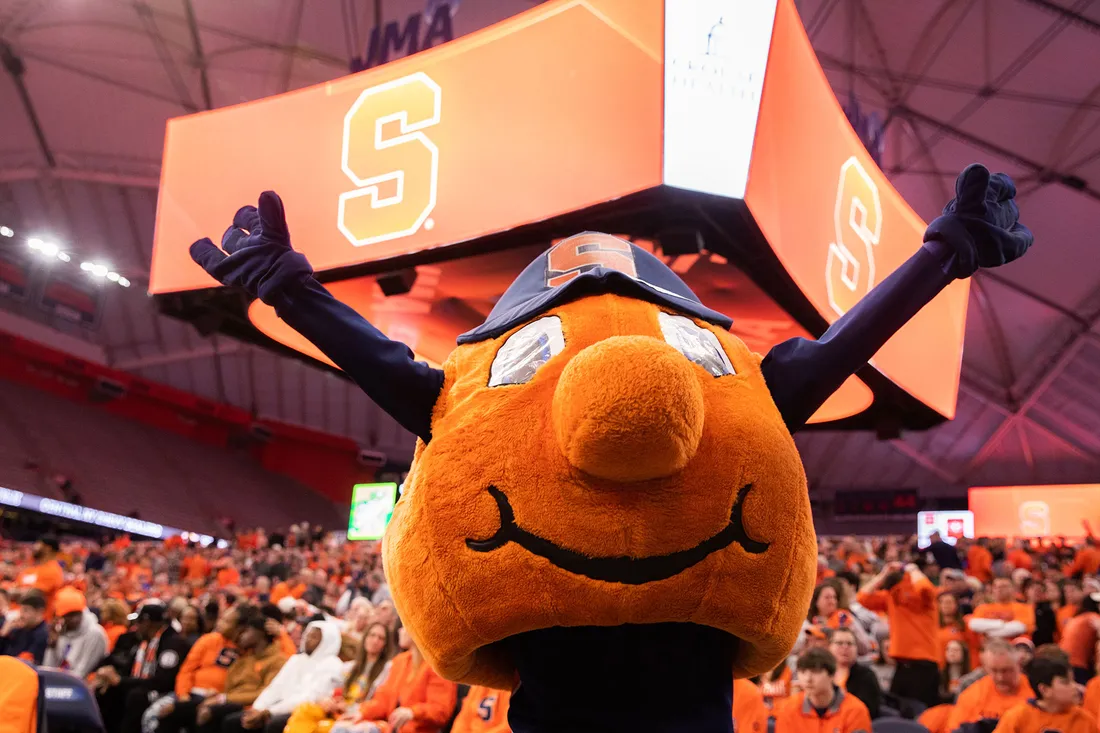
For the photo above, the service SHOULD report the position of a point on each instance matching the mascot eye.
(697, 344)
(526, 351)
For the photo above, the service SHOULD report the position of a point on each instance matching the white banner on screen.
(950, 525)
(716, 53)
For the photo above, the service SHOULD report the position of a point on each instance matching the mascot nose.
(628, 408)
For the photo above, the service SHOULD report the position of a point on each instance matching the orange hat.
(69, 600)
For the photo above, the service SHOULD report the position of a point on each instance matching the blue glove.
(257, 254)
(982, 223)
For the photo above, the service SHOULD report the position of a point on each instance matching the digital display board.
(520, 124)
(952, 526)
(371, 509)
(1035, 511)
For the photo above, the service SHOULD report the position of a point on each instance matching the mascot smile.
(606, 510)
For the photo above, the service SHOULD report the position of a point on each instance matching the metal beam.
(200, 57)
(84, 175)
(173, 357)
(16, 70)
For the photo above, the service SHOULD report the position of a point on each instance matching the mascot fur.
(606, 510)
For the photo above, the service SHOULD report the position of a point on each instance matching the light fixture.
(64, 257)
(99, 270)
(6, 232)
(123, 282)
(86, 266)
(34, 243)
(112, 276)
(49, 249)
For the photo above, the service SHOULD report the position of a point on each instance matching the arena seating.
(121, 466)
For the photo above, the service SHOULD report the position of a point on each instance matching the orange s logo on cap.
(571, 256)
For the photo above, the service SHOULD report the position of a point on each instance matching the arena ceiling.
(1004, 82)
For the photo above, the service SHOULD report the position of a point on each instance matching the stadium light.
(64, 257)
(6, 232)
(123, 282)
(34, 243)
(86, 266)
(112, 276)
(50, 249)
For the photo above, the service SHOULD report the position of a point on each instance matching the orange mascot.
(606, 512)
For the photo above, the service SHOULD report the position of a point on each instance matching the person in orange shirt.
(291, 587)
(1080, 636)
(821, 707)
(750, 714)
(194, 569)
(485, 710)
(203, 673)
(1055, 707)
(1087, 560)
(46, 576)
(414, 698)
(992, 696)
(1019, 557)
(1004, 618)
(952, 627)
(1091, 702)
(979, 561)
(228, 575)
(909, 600)
(1071, 595)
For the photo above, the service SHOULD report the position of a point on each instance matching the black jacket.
(863, 685)
(171, 652)
(26, 643)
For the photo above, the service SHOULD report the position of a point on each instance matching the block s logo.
(384, 144)
(857, 222)
(1034, 518)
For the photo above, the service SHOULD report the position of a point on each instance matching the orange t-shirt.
(430, 697)
(1029, 718)
(206, 665)
(228, 576)
(1079, 639)
(1092, 698)
(1013, 611)
(1020, 559)
(282, 590)
(1063, 615)
(1087, 561)
(982, 700)
(776, 691)
(484, 710)
(48, 578)
(750, 714)
(980, 563)
(911, 609)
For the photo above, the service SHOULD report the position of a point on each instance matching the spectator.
(141, 670)
(315, 593)
(414, 698)
(851, 676)
(202, 675)
(191, 624)
(750, 713)
(114, 618)
(1055, 707)
(1025, 650)
(1072, 597)
(310, 676)
(821, 701)
(952, 627)
(81, 643)
(955, 583)
(956, 659)
(946, 555)
(1046, 620)
(259, 662)
(1004, 618)
(1002, 688)
(26, 635)
(908, 599)
(1079, 638)
(829, 610)
(46, 576)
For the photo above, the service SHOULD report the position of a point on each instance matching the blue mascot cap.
(591, 263)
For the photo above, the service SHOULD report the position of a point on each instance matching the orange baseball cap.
(69, 600)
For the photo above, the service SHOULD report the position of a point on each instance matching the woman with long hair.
(956, 658)
(829, 610)
(414, 698)
(113, 617)
(952, 627)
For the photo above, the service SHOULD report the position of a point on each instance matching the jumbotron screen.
(371, 510)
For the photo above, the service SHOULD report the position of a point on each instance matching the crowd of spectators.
(296, 631)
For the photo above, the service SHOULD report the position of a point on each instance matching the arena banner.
(1035, 511)
(521, 123)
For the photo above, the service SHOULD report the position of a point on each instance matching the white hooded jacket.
(306, 677)
(79, 651)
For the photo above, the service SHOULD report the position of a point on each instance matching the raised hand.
(255, 254)
(982, 222)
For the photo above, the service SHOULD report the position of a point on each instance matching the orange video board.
(554, 110)
(1035, 511)
(834, 220)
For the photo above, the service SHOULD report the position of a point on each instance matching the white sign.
(716, 53)
(950, 525)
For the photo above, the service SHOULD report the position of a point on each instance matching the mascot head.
(603, 452)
